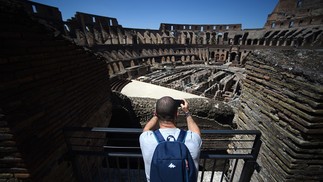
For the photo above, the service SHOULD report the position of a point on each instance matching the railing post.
(251, 164)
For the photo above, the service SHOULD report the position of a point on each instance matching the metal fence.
(113, 154)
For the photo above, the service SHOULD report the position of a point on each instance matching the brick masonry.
(47, 83)
(282, 97)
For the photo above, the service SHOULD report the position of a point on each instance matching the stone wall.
(47, 83)
(208, 113)
(129, 51)
(282, 96)
(291, 13)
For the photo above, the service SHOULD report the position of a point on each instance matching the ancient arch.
(233, 56)
(217, 57)
(168, 59)
(115, 67)
(173, 59)
(163, 60)
(212, 56)
(110, 70)
(121, 67)
(222, 57)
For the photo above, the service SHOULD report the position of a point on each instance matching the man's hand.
(185, 106)
(191, 125)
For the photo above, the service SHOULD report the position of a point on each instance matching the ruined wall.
(295, 13)
(134, 50)
(211, 114)
(282, 96)
(47, 83)
(133, 63)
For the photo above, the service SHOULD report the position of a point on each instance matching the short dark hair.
(166, 109)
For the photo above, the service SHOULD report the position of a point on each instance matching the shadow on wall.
(123, 116)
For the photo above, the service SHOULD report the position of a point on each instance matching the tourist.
(165, 116)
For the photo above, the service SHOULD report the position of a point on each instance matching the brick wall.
(47, 83)
(282, 96)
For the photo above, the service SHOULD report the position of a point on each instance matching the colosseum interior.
(57, 74)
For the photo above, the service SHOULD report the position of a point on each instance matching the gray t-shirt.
(148, 144)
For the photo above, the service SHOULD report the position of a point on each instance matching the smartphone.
(179, 102)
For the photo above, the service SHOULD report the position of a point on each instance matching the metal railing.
(113, 154)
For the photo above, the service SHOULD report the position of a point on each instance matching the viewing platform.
(113, 154)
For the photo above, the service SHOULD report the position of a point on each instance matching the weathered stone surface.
(304, 63)
(206, 110)
(47, 83)
(287, 108)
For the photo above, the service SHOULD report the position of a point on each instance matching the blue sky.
(150, 13)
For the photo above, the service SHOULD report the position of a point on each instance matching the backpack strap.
(182, 135)
(159, 137)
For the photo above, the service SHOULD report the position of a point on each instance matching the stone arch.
(249, 41)
(149, 61)
(155, 52)
(173, 59)
(233, 56)
(212, 55)
(168, 59)
(217, 57)
(163, 60)
(115, 67)
(288, 42)
(187, 40)
(188, 58)
(110, 70)
(281, 42)
(132, 63)
(222, 57)
(183, 58)
(255, 42)
(200, 40)
(121, 67)
(273, 42)
(160, 51)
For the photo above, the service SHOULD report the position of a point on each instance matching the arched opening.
(212, 56)
(255, 42)
(236, 39)
(173, 59)
(222, 57)
(115, 68)
(233, 56)
(249, 42)
(187, 41)
(217, 56)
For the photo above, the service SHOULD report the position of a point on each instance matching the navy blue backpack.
(172, 161)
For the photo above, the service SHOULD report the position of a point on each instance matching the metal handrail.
(86, 148)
